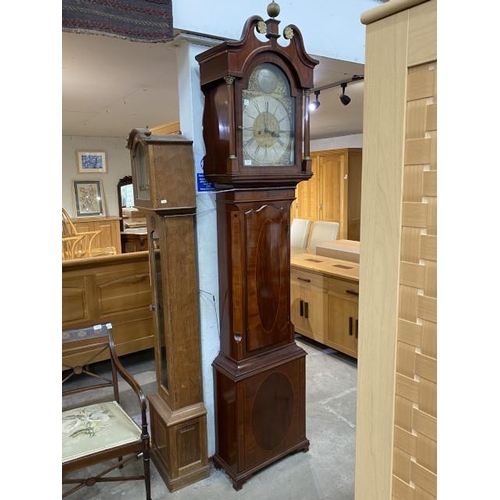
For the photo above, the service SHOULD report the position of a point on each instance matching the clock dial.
(268, 119)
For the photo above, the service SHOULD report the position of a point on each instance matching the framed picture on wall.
(91, 162)
(88, 197)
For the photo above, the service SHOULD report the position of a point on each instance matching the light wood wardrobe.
(333, 193)
(396, 438)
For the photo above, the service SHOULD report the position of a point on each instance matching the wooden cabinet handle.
(304, 279)
(302, 308)
(352, 292)
(306, 310)
(350, 325)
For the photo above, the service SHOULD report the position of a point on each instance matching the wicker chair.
(98, 435)
(78, 244)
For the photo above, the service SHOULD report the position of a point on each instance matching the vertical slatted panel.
(415, 436)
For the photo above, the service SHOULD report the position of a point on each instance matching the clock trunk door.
(267, 277)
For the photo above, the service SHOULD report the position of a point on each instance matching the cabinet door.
(109, 235)
(309, 302)
(343, 325)
(296, 307)
(332, 197)
(263, 264)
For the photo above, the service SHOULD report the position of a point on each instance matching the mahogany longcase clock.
(256, 132)
(163, 177)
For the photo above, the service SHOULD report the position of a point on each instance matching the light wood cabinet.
(334, 191)
(109, 227)
(114, 288)
(324, 305)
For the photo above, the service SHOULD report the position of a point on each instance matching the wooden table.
(134, 239)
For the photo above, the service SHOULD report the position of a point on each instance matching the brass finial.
(273, 9)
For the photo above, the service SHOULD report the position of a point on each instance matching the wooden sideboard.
(324, 300)
(113, 289)
(109, 227)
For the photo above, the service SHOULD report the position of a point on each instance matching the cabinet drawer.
(306, 278)
(346, 289)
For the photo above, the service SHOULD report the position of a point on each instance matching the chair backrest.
(299, 232)
(80, 348)
(68, 228)
(322, 231)
(82, 246)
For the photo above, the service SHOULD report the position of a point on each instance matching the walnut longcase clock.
(163, 176)
(256, 132)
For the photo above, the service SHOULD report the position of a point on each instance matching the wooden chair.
(83, 246)
(69, 244)
(97, 431)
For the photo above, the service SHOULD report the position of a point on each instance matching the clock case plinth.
(177, 412)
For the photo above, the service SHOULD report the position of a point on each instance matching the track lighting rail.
(354, 78)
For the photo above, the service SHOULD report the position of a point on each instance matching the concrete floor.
(325, 472)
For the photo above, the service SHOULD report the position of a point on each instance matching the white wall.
(345, 141)
(330, 28)
(118, 157)
(190, 113)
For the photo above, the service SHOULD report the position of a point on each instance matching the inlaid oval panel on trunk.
(268, 281)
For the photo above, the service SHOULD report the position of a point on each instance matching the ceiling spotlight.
(344, 99)
(314, 105)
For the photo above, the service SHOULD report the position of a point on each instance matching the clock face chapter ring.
(267, 131)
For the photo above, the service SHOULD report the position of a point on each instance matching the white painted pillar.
(191, 102)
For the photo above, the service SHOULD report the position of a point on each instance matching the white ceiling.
(110, 86)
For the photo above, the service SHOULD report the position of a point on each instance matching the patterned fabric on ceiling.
(136, 20)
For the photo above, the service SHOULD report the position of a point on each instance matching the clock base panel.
(260, 416)
(178, 443)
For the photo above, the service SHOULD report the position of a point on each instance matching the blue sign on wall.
(202, 185)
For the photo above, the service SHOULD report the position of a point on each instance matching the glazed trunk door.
(268, 277)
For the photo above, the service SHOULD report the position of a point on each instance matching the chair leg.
(147, 473)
